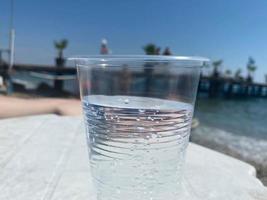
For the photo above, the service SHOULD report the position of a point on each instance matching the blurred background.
(36, 37)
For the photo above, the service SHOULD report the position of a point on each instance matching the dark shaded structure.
(229, 88)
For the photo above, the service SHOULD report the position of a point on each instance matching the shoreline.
(247, 149)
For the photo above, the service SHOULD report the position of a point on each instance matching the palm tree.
(251, 67)
(228, 73)
(60, 46)
(216, 65)
(150, 49)
(238, 74)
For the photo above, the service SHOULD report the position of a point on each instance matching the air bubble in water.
(140, 128)
(141, 111)
(132, 148)
(118, 190)
(150, 118)
(126, 101)
(136, 178)
(154, 136)
(118, 119)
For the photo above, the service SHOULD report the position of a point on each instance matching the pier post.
(259, 91)
(58, 84)
(229, 90)
(214, 87)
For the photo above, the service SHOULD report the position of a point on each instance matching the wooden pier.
(210, 86)
(228, 87)
(45, 69)
(57, 74)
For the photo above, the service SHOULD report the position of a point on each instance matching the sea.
(237, 127)
(242, 117)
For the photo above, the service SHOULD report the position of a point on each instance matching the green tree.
(251, 67)
(60, 46)
(150, 49)
(216, 65)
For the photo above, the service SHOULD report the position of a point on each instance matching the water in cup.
(136, 145)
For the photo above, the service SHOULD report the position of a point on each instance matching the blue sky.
(227, 29)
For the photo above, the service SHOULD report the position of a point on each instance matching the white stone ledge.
(45, 158)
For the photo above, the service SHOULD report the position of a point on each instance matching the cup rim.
(137, 58)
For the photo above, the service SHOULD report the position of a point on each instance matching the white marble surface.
(45, 158)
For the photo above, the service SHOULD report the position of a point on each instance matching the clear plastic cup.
(138, 112)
